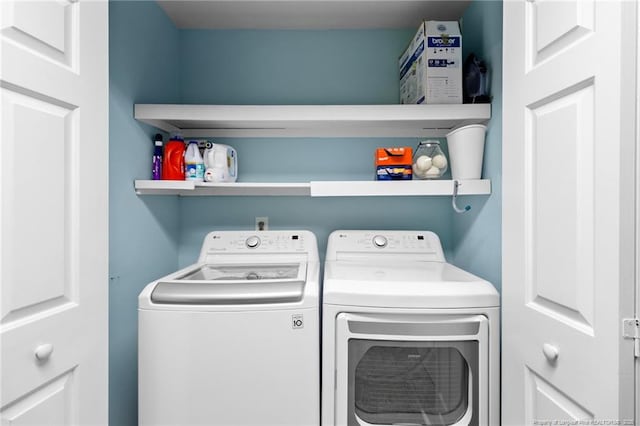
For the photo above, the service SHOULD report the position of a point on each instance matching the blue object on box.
(394, 173)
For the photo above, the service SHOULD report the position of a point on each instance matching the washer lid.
(405, 285)
(233, 284)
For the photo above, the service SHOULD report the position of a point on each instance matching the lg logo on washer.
(297, 321)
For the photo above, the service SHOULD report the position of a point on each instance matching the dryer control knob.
(380, 241)
(252, 242)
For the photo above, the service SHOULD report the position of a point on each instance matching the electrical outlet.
(262, 223)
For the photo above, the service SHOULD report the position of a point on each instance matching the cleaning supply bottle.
(193, 163)
(173, 160)
(156, 170)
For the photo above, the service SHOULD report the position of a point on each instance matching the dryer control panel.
(412, 245)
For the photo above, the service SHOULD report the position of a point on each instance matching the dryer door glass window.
(424, 383)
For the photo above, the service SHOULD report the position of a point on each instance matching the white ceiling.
(309, 14)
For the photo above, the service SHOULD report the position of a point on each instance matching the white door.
(568, 207)
(54, 212)
(637, 138)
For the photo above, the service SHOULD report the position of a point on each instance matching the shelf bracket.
(454, 199)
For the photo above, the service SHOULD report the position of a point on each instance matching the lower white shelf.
(314, 188)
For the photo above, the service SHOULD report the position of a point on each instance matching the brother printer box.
(431, 67)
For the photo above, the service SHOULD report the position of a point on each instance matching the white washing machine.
(407, 338)
(234, 338)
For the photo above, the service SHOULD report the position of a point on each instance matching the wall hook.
(454, 199)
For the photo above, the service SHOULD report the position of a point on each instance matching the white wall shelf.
(314, 188)
(311, 120)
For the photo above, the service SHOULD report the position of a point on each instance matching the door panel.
(52, 401)
(44, 27)
(554, 26)
(43, 138)
(54, 212)
(548, 402)
(559, 194)
(566, 253)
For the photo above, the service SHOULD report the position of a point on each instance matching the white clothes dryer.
(407, 337)
(234, 338)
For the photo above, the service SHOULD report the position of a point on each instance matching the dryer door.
(411, 369)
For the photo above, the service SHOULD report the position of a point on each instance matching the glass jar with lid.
(429, 161)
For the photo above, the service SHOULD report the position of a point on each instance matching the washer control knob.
(380, 241)
(252, 242)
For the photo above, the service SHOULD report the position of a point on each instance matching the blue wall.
(477, 235)
(300, 67)
(291, 67)
(143, 230)
(153, 62)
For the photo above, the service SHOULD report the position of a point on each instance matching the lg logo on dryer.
(297, 321)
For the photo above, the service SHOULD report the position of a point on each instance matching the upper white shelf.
(309, 14)
(311, 120)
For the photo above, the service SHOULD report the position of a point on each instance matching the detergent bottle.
(193, 163)
(173, 160)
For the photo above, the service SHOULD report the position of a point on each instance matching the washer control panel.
(424, 245)
(242, 242)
